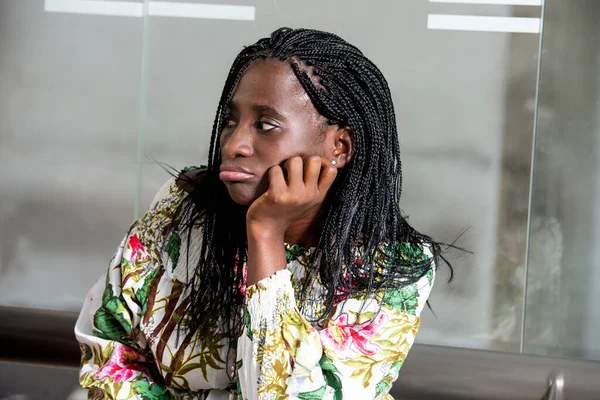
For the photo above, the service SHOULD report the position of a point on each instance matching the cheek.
(221, 141)
(275, 152)
(302, 143)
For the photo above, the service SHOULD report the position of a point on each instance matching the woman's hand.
(308, 181)
(285, 202)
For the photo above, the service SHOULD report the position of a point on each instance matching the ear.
(339, 145)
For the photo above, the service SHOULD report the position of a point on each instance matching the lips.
(233, 173)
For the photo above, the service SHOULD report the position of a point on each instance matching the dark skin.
(277, 153)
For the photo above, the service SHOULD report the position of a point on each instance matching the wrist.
(264, 231)
(266, 251)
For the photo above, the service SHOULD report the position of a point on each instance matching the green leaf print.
(151, 391)
(404, 300)
(395, 368)
(383, 386)
(142, 294)
(406, 253)
(108, 291)
(327, 364)
(165, 368)
(172, 248)
(116, 306)
(430, 276)
(386, 383)
(314, 395)
(107, 327)
(331, 375)
(183, 370)
(248, 324)
(209, 356)
(112, 320)
(293, 252)
(194, 167)
(411, 251)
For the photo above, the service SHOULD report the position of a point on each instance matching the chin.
(240, 195)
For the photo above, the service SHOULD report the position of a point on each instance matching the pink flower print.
(343, 290)
(340, 296)
(137, 249)
(341, 336)
(241, 285)
(124, 365)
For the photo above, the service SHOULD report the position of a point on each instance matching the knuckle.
(292, 161)
(277, 198)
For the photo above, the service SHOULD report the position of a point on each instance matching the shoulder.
(173, 225)
(170, 197)
(412, 297)
(421, 256)
(190, 179)
(171, 208)
(418, 255)
(148, 234)
(166, 192)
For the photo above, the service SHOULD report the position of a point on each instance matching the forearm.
(266, 252)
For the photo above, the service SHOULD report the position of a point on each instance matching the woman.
(285, 268)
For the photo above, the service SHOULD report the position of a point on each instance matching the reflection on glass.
(68, 129)
(562, 310)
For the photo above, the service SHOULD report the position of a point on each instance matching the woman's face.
(270, 118)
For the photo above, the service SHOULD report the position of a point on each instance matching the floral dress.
(131, 349)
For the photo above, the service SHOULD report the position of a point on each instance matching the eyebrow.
(259, 108)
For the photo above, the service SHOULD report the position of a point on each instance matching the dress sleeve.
(115, 360)
(357, 356)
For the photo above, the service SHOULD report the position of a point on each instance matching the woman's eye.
(265, 126)
(229, 120)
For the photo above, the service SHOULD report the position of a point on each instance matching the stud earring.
(333, 162)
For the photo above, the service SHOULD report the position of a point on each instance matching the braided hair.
(362, 206)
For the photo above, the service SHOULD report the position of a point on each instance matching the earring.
(333, 162)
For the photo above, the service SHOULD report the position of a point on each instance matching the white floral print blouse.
(130, 348)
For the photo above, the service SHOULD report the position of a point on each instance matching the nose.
(237, 142)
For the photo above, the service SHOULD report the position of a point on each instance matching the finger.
(328, 174)
(312, 170)
(277, 184)
(295, 171)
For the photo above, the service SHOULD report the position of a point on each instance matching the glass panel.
(476, 109)
(562, 313)
(69, 115)
(464, 101)
(186, 64)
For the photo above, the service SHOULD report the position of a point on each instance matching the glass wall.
(94, 92)
(69, 112)
(462, 99)
(562, 311)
